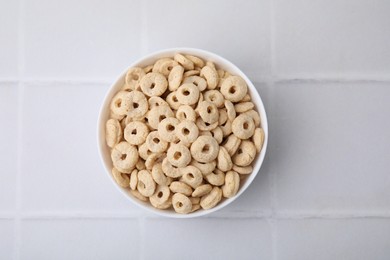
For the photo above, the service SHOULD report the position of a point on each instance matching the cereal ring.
(255, 116)
(133, 76)
(211, 65)
(222, 116)
(191, 73)
(144, 151)
(258, 139)
(224, 161)
(205, 168)
(175, 77)
(160, 197)
(202, 190)
(170, 170)
(243, 170)
(246, 98)
(181, 203)
(204, 149)
(243, 107)
(138, 195)
(203, 126)
(211, 76)
(231, 144)
(166, 129)
(122, 179)
(153, 84)
(221, 73)
(157, 114)
(187, 94)
(200, 98)
(216, 178)
(197, 81)
(215, 97)
(146, 185)
(243, 126)
(159, 176)
(178, 155)
(153, 159)
(155, 143)
(173, 101)
(230, 110)
(211, 199)
(187, 131)
(134, 179)
(217, 134)
(148, 69)
(138, 105)
(164, 205)
(191, 176)
(207, 133)
(136, 133)
(234, 88)
(113, 132)
(197, 61)
(120, 104)
(232, 183)
(226, 128)
(115, 116)
(208, 112)
(156, 101)
(164, 66)
(194, 200)
(180, 187)
(186, 112)
(245, 154)
(124, 156)
(195, 207)
(140, 165)
(184, 61)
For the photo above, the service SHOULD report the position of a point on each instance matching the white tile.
(6, 239)
(8, 148)
(81, 39)
(332, 146)
(80, 239)
(335, 39)
(237, 30)
(61, 169)
(9, 38)
(333, 239)
(207, 239)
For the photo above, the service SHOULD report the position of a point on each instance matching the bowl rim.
(220, 62)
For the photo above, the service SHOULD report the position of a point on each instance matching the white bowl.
(148, 60)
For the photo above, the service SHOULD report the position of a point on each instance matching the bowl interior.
(148, 60)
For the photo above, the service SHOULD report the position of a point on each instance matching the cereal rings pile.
(183, 134)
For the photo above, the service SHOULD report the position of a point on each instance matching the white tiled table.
(321, 67)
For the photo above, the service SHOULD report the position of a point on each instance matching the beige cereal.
(144, 151)
(140, 164)
(136, 132)
(191, 73)
(224, 160)
(156, 101)
(215, 97)
(197, 81)
(138, 105)
(186, 112)
(113, 132)
(217, 134)
(243, 170)
(198, 62)
(216, 178)
(153, 159)
(246, 98)
(211, 199)
(133, 76)
(234, 88)
(205, 168)
(181, 203)
(211, 76)
(148, 69)
(258, 139)
(157, 114)
(181, 187)
(134, 179)
(173, 101)
(146, 185)
(122, 179)
(124, 157)
(222, 116)
(164, 66)
(202, 190)
(232, 184)
(191, 176)
(175, 77)
(184, 61)
(243, 127)
(159, 176)
(178, 155)
(232, 144)
(243, 107)
(187, 94)
(226, 128)
(120, 104)
(167, 129)
(208, 112)
(205, 149)
(138, 195)
(245, 154)
(153, 84)
(187, 131)
(255, 116)
(203, 126)
(170, 170)
(160, 197)
(230, 109)
(155, 143)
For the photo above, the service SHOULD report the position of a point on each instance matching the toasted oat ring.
(146, 185)
(169, 169)
(187, 131)
(184, 61)
(208, 133)
(224, 160)
(191, 176)
(153, 159)
(160, 197)
(136, 133)
(166, 129)
(232, 184)
(164, 66)
(133, 77)
(216, 178)
(226, 128)
(203, 126)
(140, 164)
(205, 149)
(138, 195)
(155, 143)
(159, 176)
(246, 98)
(230, 110)
(243, 170)
(187, 94)
(175, 77)
(156, 101)
(153, 84)
(120, 104)
(181, 203)
(186, 112)
(157, 114)
(258, 139)
(148, 69)
(211, 76)
(231, 144)
(217, 134)
(255, 116)
(222, 116)
(178, 155)
(138, 105)
(202, 190)
(198, 62)
(124, 156)
(245, 154)
(243, 126)
(134, 179)
(211, 199)
(208, 112)
(181, 187)
(234, 88)
(205, 168)
(214, 96)
(195, 207)
(113, 132)
(191, 73)
(122, 179)
(243, 107)
(197, 81)
(173, 101)
(144, 151)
